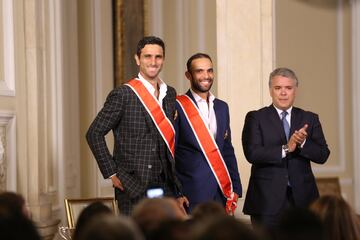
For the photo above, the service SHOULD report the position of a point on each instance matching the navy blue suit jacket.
(197, 179)
(263, 136)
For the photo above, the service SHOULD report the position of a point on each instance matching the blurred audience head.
(339, 219)
(15, 223)
(149, 213)
(173, 229)
(92, 211)
(110, 227)
(300, 224)
(13, 203)
(225, 228)
(208, 210)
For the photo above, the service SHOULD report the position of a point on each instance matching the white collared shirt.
(207, 111)
(152, 90)
(288, 116)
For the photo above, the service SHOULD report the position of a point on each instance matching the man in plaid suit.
(141, 158)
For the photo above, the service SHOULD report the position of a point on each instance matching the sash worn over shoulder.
(156, 113)
(210, 150)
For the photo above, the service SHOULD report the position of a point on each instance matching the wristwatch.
(285, 148)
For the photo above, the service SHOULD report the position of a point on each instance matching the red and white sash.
(210, 150)
(156, 113)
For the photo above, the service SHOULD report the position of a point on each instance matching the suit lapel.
(148, 119)
(149, 122)
(166, 106)
(220, 124)
(295, 120)
(189, 94)
(276, 121)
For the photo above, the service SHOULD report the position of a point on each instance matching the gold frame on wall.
(328, 185)
(128, 29)
(74, 207)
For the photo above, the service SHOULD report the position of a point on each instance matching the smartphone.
(155, 192)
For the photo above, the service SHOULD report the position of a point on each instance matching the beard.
(197, 87)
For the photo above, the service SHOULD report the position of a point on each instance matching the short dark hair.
(226, 228)
(11, 203)
(89, 213)
(284, 72)
(196, 56)
(300, 223)
(206, 210)
(149, 40)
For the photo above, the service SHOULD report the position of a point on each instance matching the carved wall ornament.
(2, 160)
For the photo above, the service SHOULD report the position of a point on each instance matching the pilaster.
(245, 58)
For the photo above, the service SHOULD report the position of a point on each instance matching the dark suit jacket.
(263, 136)
(138, 146)
(198, 182)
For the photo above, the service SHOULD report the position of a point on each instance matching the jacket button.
(149, 166)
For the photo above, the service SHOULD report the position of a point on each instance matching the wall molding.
(182, 44)
(355, 29)
(224, 62)
(201, 41)
(8, 121)
(156, 25)
(56, 76)
(7, 85)
(97, 40)
(341, 166)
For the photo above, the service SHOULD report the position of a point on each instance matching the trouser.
(271, 221)
(126, 204)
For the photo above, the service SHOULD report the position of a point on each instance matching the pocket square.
(175, 115)
(226, 134)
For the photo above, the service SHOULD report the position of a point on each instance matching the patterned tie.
(285, 124)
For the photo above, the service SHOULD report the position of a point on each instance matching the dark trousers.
(218, 197)
(126, 204)
(272, 221)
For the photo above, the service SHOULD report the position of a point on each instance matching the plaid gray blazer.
(136, 154)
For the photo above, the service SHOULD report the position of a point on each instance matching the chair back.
(328, 186)
(75, 206)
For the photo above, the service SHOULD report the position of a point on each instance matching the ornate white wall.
(8, 164)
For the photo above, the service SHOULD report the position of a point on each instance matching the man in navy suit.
(280, 141)
(196, 169)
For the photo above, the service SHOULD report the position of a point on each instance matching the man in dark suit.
(195, 168)
(142, 156)
(280, 141)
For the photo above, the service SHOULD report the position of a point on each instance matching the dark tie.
(286, 129)
(285, 124)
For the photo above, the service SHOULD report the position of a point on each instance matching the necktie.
(285, 124)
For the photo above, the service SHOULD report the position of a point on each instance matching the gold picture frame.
(74, 207)
(328, 186)
(128, 29)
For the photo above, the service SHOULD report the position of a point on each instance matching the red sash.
(210, 150)
(156, 113)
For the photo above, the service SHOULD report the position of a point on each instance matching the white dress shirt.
(207, 111)
(152, 90)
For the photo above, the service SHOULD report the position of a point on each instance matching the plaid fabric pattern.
(139, 154)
